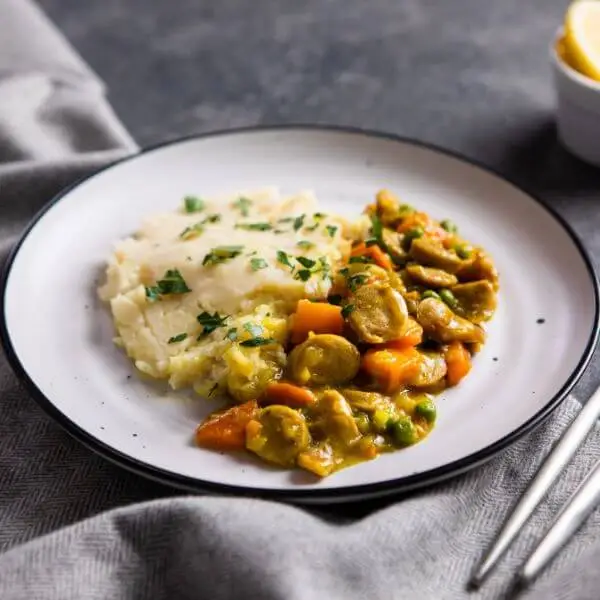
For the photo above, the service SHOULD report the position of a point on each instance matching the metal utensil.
(547, 474)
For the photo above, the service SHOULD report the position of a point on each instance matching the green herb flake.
(193, 204)
(232, 334)
(299, 222)
(258, 263)
(344, 271)
(325, 268)
(370, 242)
(257, 341)
(376, 227)
(319, 216)
(308, 263)
(210, 322)
(305, 245)
(221, 254)
(365, 260)
(347, 310)
(335, 299)
(284, 259)
(254, 226)
(177, 338)
(171, 283)
(191, 232)
(303, 275)
(331, 230)
(355, 281)
(243, 205)
(286, 220)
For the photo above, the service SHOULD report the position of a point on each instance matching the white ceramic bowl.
(578, 109)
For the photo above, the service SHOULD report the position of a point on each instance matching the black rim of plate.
(348, 493)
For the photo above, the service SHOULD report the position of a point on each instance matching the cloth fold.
(56, 126)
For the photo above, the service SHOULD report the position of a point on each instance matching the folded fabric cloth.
(56, 126)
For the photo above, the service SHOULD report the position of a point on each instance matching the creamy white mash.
(201, 296)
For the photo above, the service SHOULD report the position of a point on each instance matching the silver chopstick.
(539, 486)
(572, 515)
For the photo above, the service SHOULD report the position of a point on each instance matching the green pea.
(449, 226)
(449, 298)
(363, 423)
(430, 294)
(463, 252)
(403, 431)
(427, 410)
(405, 210)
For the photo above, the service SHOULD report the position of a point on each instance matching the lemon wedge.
(582, 37)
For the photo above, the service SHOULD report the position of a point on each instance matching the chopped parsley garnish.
(312, 227)
(221, 254)
(306, 262)
(349, 308)
(258, 263)
(257, 341)
(376, 227)
(254, 226)
(365, 260)
(210, 322)
(344, 271)
(303, 275)
(298, 222)
(197, 228)
(253, 329)
(284, 259)
(192, 231)
(243, 204)
(231, 334)
(285, 220)
(171, 283)
(334, 299)
(319, 216)
(331, 229)
(305, 244)
(370, 242)
(177, 338)
(193, 204)
(355, 281)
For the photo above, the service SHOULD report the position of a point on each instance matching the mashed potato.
(202, 296)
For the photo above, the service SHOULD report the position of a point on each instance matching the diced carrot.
(391, 368)
(458, 361)
(227, 430)
(374, 252)
(318, 317)
(288, 394)
(412, 335)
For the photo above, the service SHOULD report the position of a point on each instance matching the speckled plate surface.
(57, 336)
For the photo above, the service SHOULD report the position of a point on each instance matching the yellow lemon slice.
(582, 37)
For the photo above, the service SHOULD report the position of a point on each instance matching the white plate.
(58, 337)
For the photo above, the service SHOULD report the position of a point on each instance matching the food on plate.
(329, 337)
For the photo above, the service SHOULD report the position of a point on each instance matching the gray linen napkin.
(56, 126)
